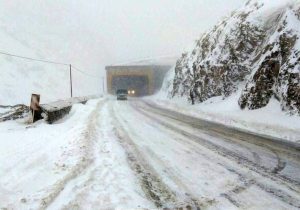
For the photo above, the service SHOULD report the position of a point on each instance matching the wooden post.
(71, 81)
(35, 107)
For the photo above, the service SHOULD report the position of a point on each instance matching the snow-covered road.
(132, 154)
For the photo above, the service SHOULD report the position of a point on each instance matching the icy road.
(131, 154)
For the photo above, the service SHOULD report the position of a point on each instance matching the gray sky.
(94, 33)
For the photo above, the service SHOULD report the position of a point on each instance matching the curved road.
(196, 163)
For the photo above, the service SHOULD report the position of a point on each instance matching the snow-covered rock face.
(278, 71)
(256, 48)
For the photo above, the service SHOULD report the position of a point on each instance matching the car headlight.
(133, 92)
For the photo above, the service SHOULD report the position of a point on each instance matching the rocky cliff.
(256, 50)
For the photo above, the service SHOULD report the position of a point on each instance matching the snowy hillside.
(45, 30)
(253, 53)
(20, 78)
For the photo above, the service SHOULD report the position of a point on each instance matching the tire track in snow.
(86, 159)
(281, 195)
(109, 182)
(280, 163)
(203, 202)
(157, 191)
(235, 139)
(245, 182)
(291, 150)
(200, 202)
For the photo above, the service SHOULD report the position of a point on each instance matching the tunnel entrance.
(139, 84)
(143, 80)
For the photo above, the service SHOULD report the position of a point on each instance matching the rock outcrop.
(256, 49)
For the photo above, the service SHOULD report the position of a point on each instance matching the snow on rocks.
(256, 49)
(13, 112)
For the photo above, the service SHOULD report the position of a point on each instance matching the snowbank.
(33, 158)
(270, 120)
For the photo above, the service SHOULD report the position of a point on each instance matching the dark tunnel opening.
(138, 84)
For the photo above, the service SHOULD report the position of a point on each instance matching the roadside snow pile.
(256, 50)
(268, 121)
(36, 160)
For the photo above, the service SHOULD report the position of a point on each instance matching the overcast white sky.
(94, 33)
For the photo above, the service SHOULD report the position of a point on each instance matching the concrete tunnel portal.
(143, 79)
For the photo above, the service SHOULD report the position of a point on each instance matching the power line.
(47, 61)
(83, 72)
(53, 62)
(33, 59)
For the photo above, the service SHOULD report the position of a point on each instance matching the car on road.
(131, 92)
(122, 94)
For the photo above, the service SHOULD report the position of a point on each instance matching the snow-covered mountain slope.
(52, 31)
(255, 50)
(20, 77)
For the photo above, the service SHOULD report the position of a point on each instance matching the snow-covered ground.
(36, 159)
(39, 161)
(270, 120)
(127, 155)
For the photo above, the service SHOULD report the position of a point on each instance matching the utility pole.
(103, 85)
(71, 86)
